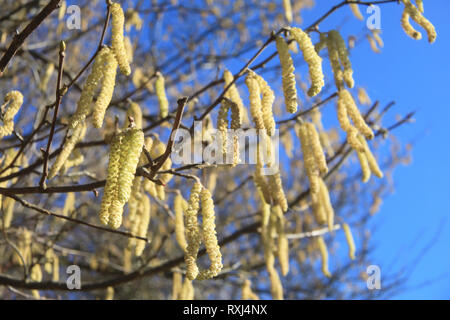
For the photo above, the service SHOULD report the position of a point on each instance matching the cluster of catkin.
(339, 59)
(13, 101)
(415, 12)
(233, 94)
(357, 133)
(125, 151)
(104, 73)
(311, 57)
(222, 127)
(315, 166)
(207, 235)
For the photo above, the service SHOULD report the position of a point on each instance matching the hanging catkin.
(277, 192)
(144, 212)
(222, 124)
(233, 95)
(161, 95)
(117, 39)
(372, 162)
(309, 161)
(343, 57)
(313, 60)
(415, 14)
(8, 211)
(69, 145)
(366, 173)
(87, 93)
(288, 77)
(276, 288)
(333, 55)
(419, 5)
(350, 241)
(325, 203)
(287, 10)
(107, 89)
(209, 237)
(36, 275)
(324, 254)
(316, 146)
(255, 101)
(247, 293)
(109, 293)
(177, 284)
(14, 99)
(283, 245)
(134, 111)
(180, 205)
(187, 291)
(268, 97)
(316, 118)
(193, 236)
(356, 12)
(124, 156)
(363, 97)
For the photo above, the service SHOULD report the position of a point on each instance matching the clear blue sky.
(415, 75)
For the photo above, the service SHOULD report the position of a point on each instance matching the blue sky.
(414, 74)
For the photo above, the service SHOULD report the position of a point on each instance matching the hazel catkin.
(288, 77)
(117, 38)
(14, 99)
(161, 95)
(350, 241)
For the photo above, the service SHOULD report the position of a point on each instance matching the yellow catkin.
(343, 57)
(364, 165)
(363, 97)
(309, 162)
(117, 39)
(277, 192)
(346, 101)
(124, 156)
(419, 5)
(55, 268)
(316, 118)
(276, 288)
(316, 146)
(177, 284)
(247, 293)
(324, 200)
(233, 95)
(134, 111)
(209, 237)
(261, 183)
(287, 10)
(36, 275)
(377, 37)
(283, 244)
(324, 254)
(187, 291)
(415, 14)
(69, 204)
(108, 82)
(356, 12)
(236, 123)
(75, 159)
(222, 124)
(128, 49)
(179, 206)
(127, 263)
(87, 93)
(350, 241)
(288, 77)
(373, 44)
(161, 94)
(333, 54)
(255, 101)
(14, 99)
(193, 236)
(69, 145)
(144, 212)
(109, 293)
(313, 60)
(268, 97)
(373, 165)
(43, 85)
(49, 254)
(8, 211)
(133, 19)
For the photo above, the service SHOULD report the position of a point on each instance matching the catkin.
(325, 203)
(46, 77)
(317, 150)
(36, 275)
(15, 100)
(366, 173)
(287, 10)
(343, 57)
(126, 149)
(109, 293)
(324, 254)
(117, 39)
(363, 97)
(350, 241)
(288, 77)
(233, 95)
(209, 237)
(309, 162)
(161, 95)
(372, 162)
(356, 12)
(87, 93)
(247, 293)
(192, 233)
(107, 89)
(355, 115)
(187, 291)
(177, 284)
(69, 145)
(276, 288)
(144, 212)
(179, 206)
(419, 5)
(333, 55)
(222, 123)
(255, 101)
(276, 189)
(313, 60)
(268, 97)
(415, 14)
(283, 244)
